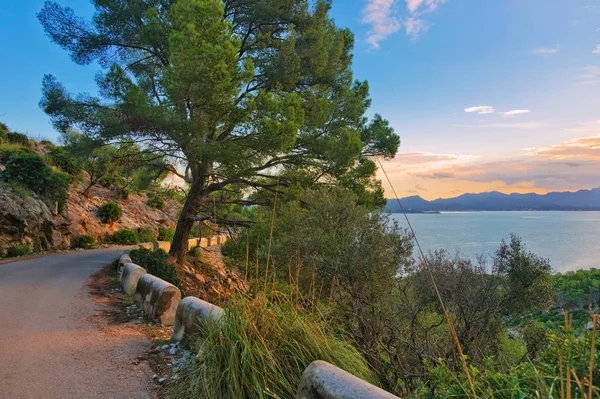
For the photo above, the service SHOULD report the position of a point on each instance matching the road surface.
(49, 348)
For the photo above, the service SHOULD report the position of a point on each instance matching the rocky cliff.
(29, 221)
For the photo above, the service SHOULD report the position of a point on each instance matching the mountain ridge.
(581, 200)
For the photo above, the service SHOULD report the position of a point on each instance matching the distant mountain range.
(582, 200)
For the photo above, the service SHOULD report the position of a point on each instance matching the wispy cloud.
(481, 109)
(596, 50)
(526, 125)
(514, 112)
(381, 16)
(546, 50)
(415, 24)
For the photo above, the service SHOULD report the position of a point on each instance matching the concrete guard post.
(164, 245)
(157, 298)
(322, 380)
(123, 259)
(190, 315)
(130, 275)
(192, 242)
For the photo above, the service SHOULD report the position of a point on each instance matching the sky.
(485, 95)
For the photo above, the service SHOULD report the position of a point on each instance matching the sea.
(569, 240)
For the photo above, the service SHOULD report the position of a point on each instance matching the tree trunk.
(179, 246)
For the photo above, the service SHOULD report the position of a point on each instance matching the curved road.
(48, 347)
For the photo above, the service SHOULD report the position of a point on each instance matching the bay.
(570, 240)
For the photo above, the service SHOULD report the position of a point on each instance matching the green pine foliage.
(19, 250)
(154, 201)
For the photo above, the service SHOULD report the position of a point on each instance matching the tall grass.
(259, 350)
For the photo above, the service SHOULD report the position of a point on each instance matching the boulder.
(146, 245)
(322, 380)
(130, 275)
(190, 315)
(158, 298)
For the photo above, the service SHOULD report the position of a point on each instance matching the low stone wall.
(157, 298)
(322, 380)
(190, 315)
(130, 275)
(146, 245)
(164, 245)
(123, 259)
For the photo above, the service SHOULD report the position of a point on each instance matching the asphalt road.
(49, 348)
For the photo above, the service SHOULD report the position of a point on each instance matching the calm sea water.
(570, 240)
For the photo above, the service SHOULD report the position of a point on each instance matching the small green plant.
(146, 234)
(156, 202)
(259, 350)
(19, 250)
(18, 138)
(156, 263)
(165, 233)
(129, 300)
(84, 241)
(8, 150)
(64, 160)
(109, 212)
(31, 171)
(125, 237)
(196, 252)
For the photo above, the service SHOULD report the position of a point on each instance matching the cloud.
(381, 16)
(527, 125)
(414, 27)
(514, 112)
(584, 147)
(546, 50)
(596, 50)
(481, 109)
(423, 6)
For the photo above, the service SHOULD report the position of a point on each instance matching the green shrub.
(146, 234)
(64, 160)
(8, 150)
(18, 138)
(165, 233)
(109, 212)
(48, 144)
(31, 171)
(125, 237)
(3, 132)
(196, 252)
(155, 262)
(259, 350)
(19, 250)
(156, 202)
(84, 241)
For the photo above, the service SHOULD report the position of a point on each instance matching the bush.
(260, 350)
(155, 262)
(3, 131)
(125, 237)
(156, 202)
(19, 250)
(165, 234)
(18, 138)
(64, 160)
(109, 212)
(8, 150)
(31, 171)
(146, 234)
(196, 252)
(84, 241)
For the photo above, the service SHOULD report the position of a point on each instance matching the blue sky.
(527, 70)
